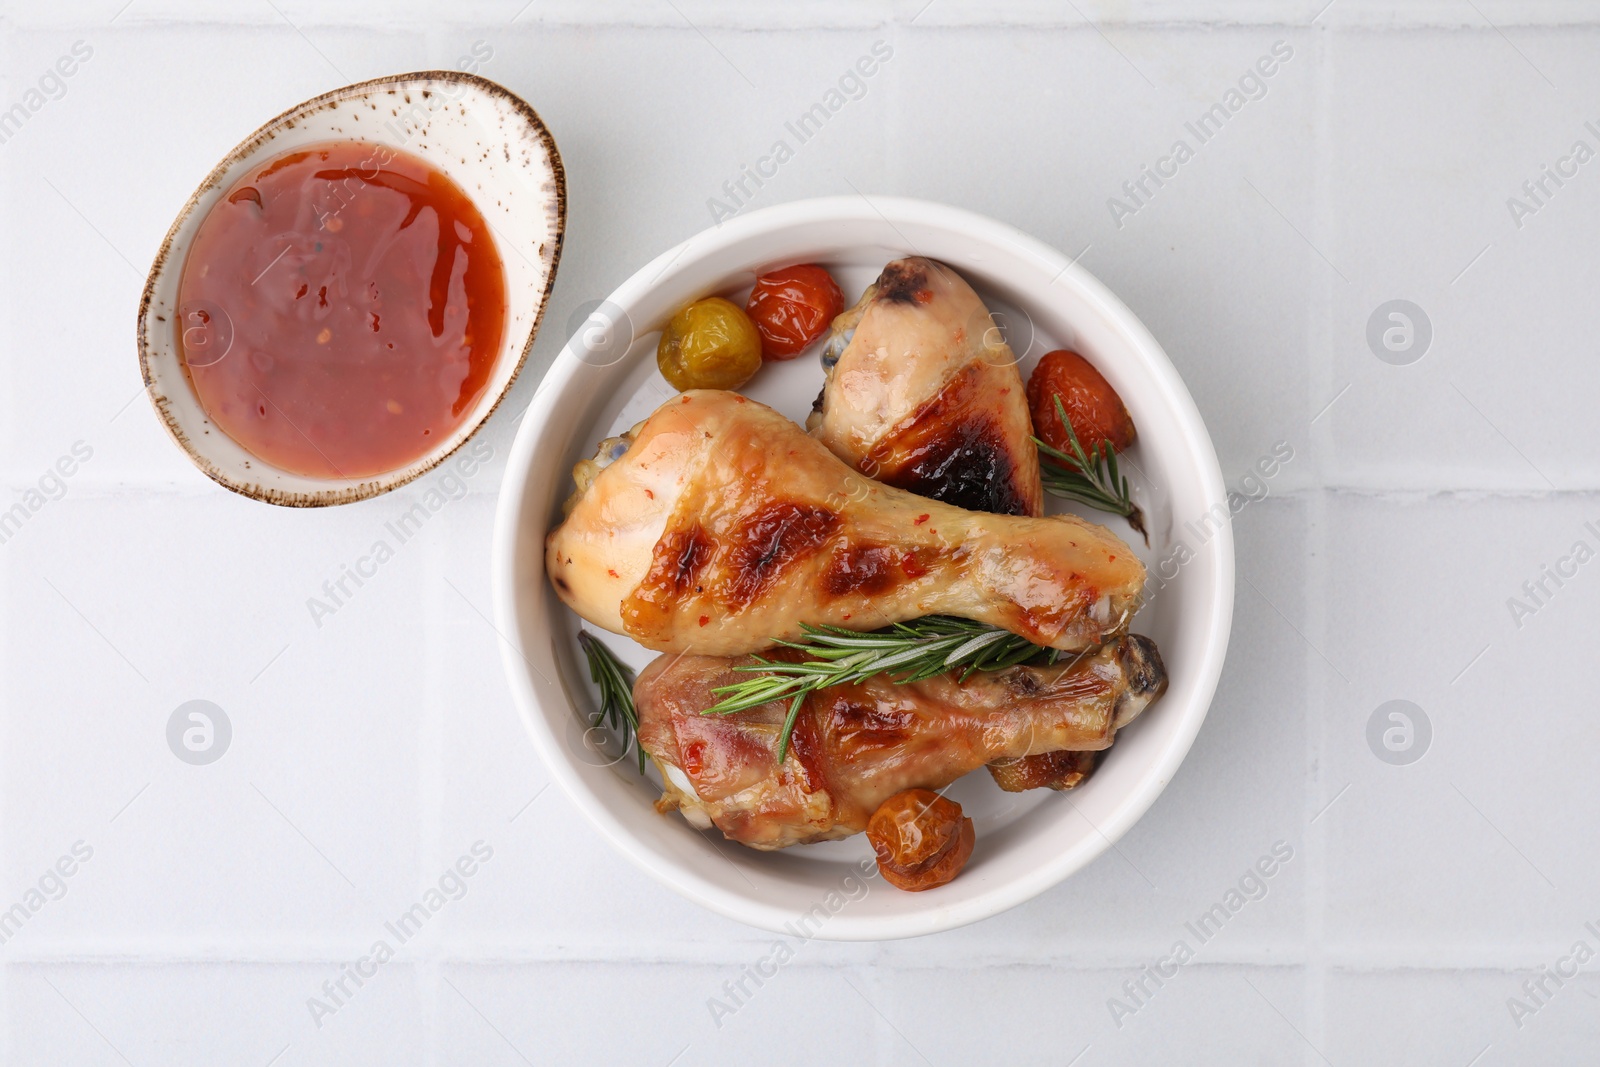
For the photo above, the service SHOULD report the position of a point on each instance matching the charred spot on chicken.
(905, 281)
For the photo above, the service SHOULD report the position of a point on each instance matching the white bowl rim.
(1219, 597)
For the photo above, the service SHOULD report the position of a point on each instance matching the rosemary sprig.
(615, 680)
(1090, 478)
(905, 652)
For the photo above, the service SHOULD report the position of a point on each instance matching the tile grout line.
(7, 405)
(8, 391)
(1320, 710)
(891, 111)
(431, 846)
(1323, 225)
(1224, 17)
(1364, 958)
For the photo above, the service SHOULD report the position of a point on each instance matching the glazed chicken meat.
(923, 394)
(722, 527)
(856, 745)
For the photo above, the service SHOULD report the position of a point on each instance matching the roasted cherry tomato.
(922, 839)
(711, 344)
(1093, 407)
(792, 307)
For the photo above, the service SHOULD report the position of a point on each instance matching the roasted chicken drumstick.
(722, 527)
(923, 394)
(856, 745)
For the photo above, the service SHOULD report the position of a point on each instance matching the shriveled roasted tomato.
(710, 344)
(1094, 408)
(792, 307)
(922, 839)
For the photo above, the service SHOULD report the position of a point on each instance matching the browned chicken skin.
(724, 526)
(856, 745)
(926, 395)
(922, 400)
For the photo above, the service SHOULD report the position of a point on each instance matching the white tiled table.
(372, 751)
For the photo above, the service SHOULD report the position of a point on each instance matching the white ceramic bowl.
(605, 380)
(480, 134)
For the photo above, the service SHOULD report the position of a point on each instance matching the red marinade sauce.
(341, 309)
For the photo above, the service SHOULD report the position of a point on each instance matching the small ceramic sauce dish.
(352, 290)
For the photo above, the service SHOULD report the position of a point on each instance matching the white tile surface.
(372, 751)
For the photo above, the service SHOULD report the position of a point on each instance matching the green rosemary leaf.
(965, 651)
(615, 680)
(905, 652)
(788, 726)
(1091, 478)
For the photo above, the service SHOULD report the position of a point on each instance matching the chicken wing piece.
(925, 394)
(721, 527)
(856, 745)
